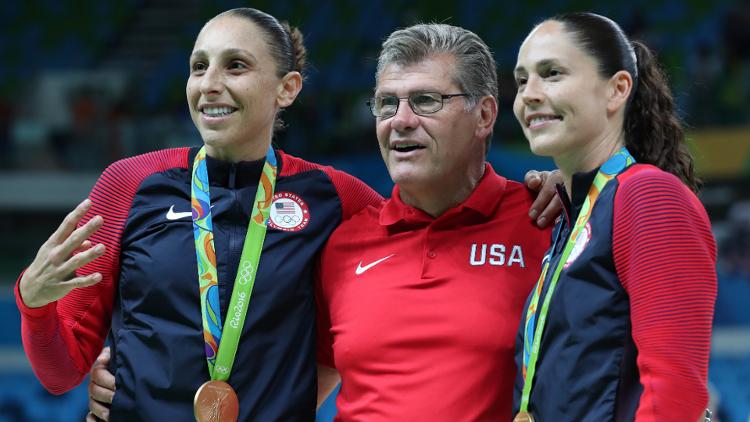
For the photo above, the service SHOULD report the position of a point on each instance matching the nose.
(212, 81)
(532, 91)
(405, 119)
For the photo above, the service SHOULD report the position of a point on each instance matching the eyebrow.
(227, 52)
(519, 70)
(384, 94)
(541, 63)
(389, 93)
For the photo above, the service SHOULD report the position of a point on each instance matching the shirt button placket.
(430, 254)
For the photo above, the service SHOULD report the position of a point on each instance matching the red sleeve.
(665, 256)
(323, 323)
(63, 338)
(354, 193)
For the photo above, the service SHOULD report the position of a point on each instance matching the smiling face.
(233, 91)
(433, 151)
(562, 101)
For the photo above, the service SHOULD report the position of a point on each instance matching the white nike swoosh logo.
(361, 269)
(171, 215)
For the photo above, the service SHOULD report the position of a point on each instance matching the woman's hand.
(52, 273)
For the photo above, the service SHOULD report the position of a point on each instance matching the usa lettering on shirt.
(496, 254)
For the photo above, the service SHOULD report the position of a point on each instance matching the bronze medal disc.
(216, 401)
(523, 417)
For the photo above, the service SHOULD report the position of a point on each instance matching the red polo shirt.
(420, 314)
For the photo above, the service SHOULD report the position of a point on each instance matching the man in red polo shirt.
(420, 299)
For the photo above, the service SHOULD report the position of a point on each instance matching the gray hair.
(475, 71)
(475, 68)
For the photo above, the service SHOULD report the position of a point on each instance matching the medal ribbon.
(220, 352)
(532, 338)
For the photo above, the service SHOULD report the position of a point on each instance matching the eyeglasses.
(421, 103)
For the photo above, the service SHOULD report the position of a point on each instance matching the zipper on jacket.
(236, 231)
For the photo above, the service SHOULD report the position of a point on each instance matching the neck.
(437, 198)
(250, 151)
(587, 158)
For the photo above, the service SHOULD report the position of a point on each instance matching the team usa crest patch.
(581, 241)
(288, 212)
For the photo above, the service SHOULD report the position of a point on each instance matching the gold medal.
(216, 401)
(523, 417)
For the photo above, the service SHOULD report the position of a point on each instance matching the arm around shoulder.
(353, 193)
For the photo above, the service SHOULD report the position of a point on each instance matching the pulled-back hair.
(475, 72)
(285, 42)
(653, 131)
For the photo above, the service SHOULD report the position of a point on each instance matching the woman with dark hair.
(619, 324)
(185, 338)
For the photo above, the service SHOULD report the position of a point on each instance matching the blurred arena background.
(84, 83)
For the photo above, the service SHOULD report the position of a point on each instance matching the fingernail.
(542, 221)
(533, 214)
(99, 248)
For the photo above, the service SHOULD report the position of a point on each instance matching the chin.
(213, 138)
(398, 177)
(402, 176)
(536, 149)
(542, 147)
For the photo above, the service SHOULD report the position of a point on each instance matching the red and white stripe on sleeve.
(665, 256)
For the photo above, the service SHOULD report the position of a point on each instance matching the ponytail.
(653, 131)
(298, 47)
